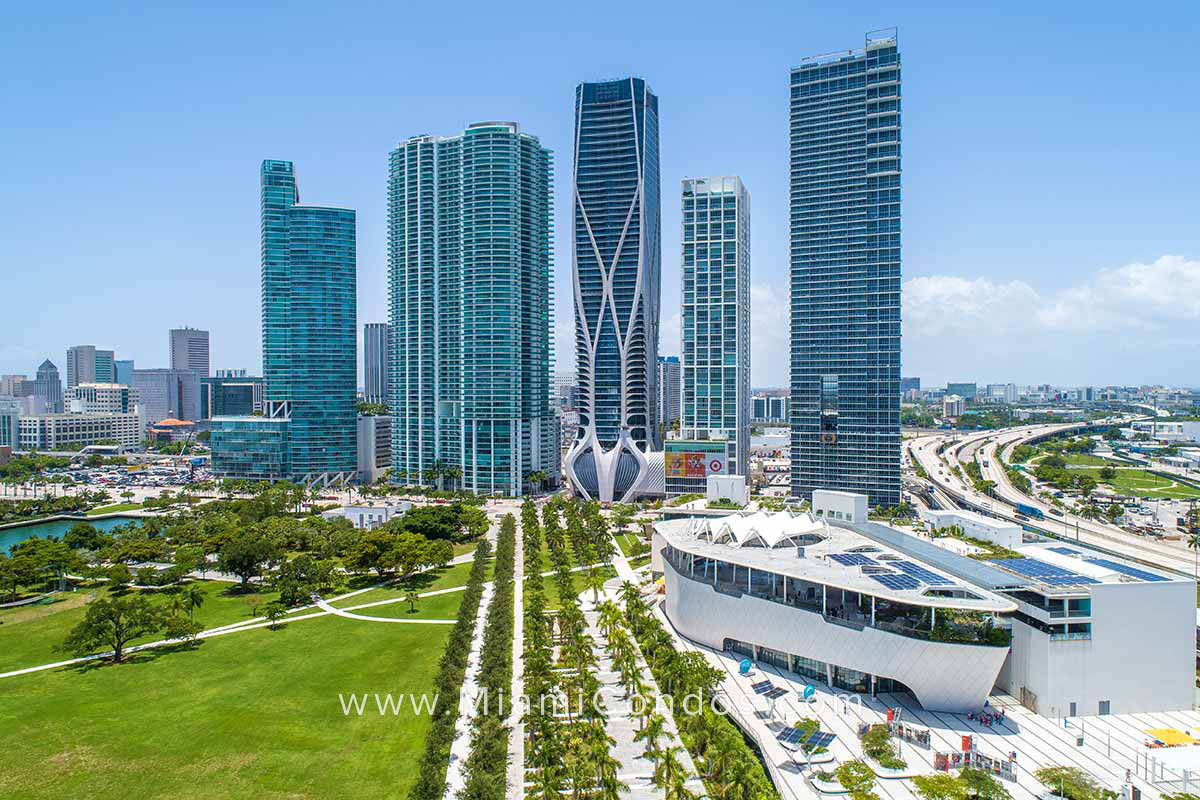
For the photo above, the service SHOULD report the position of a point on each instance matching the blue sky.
(1050, 208)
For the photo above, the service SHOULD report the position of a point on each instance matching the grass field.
(626, 541)
(252, 714)
(29, 634)
(445, 578)
(1141, 483)
(114, 508)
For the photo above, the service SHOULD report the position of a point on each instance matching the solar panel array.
(792, 735)
(897, 581)
(821, 739)
(762, 687)
(1132, 572)
(852, 559)
(926, 575)
(775, 694)
(1066, 551)
(1049, 574)
(799, 736)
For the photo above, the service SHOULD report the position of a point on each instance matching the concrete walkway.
(460, 747)
(515, 776)
(636, 770)
(348, 615)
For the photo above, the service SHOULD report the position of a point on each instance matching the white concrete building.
(845, 506)
(727, 487)
(867, 608)
(50, 432)
(368, 517)
(1096, 635)
(1170, 430)
(952, 406)
(833, 604)
(977, 526)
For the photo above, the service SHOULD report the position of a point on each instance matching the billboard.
(694, 463)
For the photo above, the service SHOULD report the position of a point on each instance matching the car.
(1056, 512)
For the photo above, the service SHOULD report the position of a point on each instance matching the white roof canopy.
(759, 529)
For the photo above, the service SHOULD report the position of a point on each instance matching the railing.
(940, 634)
(1078, 636)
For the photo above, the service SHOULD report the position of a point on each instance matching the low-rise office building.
(50, 432)
(867, 608)
(976, 526)
(250, 448)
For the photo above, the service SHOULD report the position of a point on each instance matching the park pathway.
(636, 769)
(515, 777)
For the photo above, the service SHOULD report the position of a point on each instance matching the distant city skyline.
(1025, 245)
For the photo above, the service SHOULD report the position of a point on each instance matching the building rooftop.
(1052, 567)
(837, 555)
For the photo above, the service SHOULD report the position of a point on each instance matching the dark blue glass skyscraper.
(845, 271)
(617, 281)
(308, 432)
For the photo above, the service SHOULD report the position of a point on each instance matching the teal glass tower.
(308, 430)
(845, 271)
(469, 293)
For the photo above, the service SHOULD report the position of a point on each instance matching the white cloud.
(1148, 297)
(1127, 324)
(1130, 324)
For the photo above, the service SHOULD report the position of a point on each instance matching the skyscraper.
(716, 315)
(86, 364)
(469, 305)
(617, 277)
(189, 350)
(308, 429)
(123, 371)
(48, 388)
(670, 390)
(375, 362)
(845, 271)
(168, 393)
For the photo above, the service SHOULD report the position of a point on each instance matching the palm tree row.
(431, 773)
(730, 769)
(569, 751)
(485, 768)
(669, 773)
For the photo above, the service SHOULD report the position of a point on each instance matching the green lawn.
(445, 578)
(114, 508)
(1141, 483)
(440, 606)
(626, 541)
(1088, 460)
(29, 635)
(253, 714)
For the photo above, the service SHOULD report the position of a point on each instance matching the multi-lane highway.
(959, 448)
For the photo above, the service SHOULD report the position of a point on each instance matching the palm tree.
(678, 790)
(595, 582)
(667, 769)
(193, 597)
(1193, 542)
(411, 598)
(654, 729)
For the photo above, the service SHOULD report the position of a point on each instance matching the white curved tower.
(617, 277)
